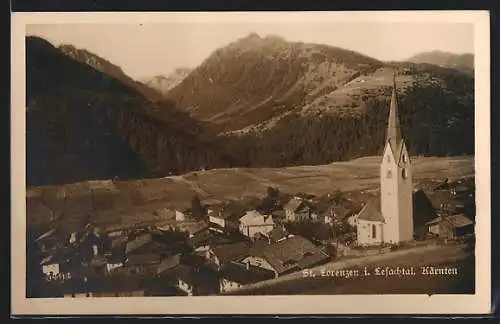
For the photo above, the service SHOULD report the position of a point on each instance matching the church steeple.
(393, 128)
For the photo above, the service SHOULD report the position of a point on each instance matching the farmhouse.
(221, 255)
(225, 218)
(297, 209)
(237, 275)
(451, 227)
(254, 222)
(285, 256)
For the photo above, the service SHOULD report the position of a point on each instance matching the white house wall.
(364, 232)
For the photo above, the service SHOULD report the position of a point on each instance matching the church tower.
(396, 189)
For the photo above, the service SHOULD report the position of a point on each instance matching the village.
(215, 248)
(210, 249)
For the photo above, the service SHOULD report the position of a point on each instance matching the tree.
(196, 208)
(272, 192)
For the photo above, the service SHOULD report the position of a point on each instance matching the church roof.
(371, 211)
(393, 128)
(393, 136)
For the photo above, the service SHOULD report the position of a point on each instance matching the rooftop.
(138, 242)
(371, 211)
(291, 253)
(232, 251)
(241, 274)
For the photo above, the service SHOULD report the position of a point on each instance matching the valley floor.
(143, 197)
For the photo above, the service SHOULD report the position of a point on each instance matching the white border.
(337, 304)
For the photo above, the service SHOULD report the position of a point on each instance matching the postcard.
(250, 163)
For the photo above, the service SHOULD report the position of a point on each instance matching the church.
(389, 217)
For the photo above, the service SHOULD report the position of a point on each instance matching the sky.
(146, 50)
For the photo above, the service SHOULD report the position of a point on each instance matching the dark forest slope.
(83, 124)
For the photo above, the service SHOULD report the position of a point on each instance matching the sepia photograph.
(332, 157)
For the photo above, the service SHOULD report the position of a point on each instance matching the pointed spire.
(393, 128)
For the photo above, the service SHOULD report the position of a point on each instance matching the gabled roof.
(293, 252)
(169, 263)
(200, 238)
(50, 233)
(434, 221)
(371, 211)
(277, 234)
(254, 217)
(165, 213)
(227, 211)
(138, 242)
(294, 204)
(459, 220)
(232, 251)
(193, 227)
(119, 241)
(239, 273)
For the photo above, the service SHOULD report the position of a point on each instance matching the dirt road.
(322, 283)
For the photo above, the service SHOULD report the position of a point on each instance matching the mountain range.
(257, 102)
(462, 62)
(86, 124)
(164, 83)
(110, 69)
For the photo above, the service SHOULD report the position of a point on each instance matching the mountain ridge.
(272, 103)
(85, 124)
(463, 62)
(99, 63)
(164, 83)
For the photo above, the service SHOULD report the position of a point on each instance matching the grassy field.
(134, 202)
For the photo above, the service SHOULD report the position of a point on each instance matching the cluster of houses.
(226, 246)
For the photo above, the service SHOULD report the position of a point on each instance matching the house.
(143, 264)
(165, 214)
(53, 266)
(461, 190)
(276, 235)
(445, 202)
(225, 218)
(335, 214)
(200, 241)
(168, 264)
(186, 280)
(237, 275)
(223, 254)
(450, 227)
(297, 209)
(114, 261)
(254, 222)
(193, 228)
(289, 255)
(144, 243)
(48, 240)
(182, 215)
